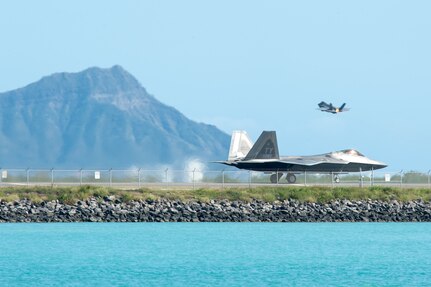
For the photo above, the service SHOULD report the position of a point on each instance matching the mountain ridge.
(102, 117)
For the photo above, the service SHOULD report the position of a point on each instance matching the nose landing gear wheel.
(291, 178)
(273, 177)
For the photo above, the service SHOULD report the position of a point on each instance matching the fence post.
(401, 178)
(27, 171)
(222, 178)
(139, 177)
(249, 179)
(194, 178)
(429, 182)
(276, 175)
(305, 178)
(332, 179)
(52, 177)
(80, 177)
(166, 176)
(110, 177)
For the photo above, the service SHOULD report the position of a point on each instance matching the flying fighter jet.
(263, 156)
(324, 107)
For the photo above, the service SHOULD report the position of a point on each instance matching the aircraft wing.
(323, 105)
(310, 160)
(300, 161)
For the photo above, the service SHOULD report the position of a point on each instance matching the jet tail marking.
(266, 147)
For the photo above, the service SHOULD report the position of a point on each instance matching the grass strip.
(317, 194)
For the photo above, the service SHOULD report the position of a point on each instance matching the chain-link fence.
(136, 178)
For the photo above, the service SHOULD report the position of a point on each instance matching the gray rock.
(110, 209)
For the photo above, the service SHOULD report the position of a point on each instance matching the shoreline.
(113, 209)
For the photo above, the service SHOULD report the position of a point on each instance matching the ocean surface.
(215, 254)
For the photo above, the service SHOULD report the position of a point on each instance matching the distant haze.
(99, 118)
(250, 65)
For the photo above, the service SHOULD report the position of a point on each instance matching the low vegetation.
(71, 195)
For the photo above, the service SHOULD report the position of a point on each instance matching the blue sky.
(253, 65)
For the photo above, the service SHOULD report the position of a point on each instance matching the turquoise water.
(215, 254)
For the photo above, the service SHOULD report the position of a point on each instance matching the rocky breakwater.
(112, 209)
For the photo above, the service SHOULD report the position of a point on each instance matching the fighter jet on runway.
(263, 156)
(324, 107)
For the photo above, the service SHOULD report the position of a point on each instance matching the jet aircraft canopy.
(351, 152)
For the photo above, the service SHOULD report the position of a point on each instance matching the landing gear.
(336, 179)
(274, 178)
(291, 178)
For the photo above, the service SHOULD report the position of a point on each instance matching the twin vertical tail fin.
(266, 147)
(342, 107)
(240, 145)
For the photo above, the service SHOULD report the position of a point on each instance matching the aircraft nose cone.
(380, 165)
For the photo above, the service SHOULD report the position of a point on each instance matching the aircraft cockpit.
(351, 152)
